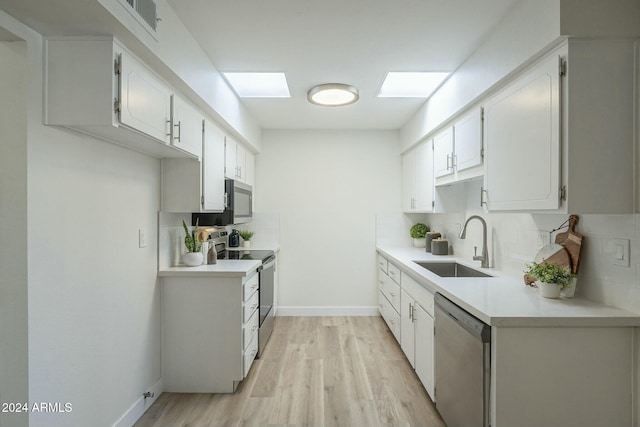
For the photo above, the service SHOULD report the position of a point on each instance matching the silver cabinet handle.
(179, 126)
(169, 123)
(482, 193)
(449, 157)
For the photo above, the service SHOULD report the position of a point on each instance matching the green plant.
(550, 273)
(246, 234)
(191, 239)
(418, 231)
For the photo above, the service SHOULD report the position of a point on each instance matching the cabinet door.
(212, 168)
(186, 121)
(424, 346)
(145, 102)
(230, 165)
(522, 142)
(241, 163)
(408, 181)
(406, 326)
(443, 153)
(424, 177)
(250, 168)
(468, 140)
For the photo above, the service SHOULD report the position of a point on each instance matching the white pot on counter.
(420, 243)
(192, 259)
(549, 290)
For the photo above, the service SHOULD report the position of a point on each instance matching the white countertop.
(223, 268)
(505, 300)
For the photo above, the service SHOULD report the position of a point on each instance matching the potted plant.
(193, 257)
(551, 278)
(246, 237)
(418, 233)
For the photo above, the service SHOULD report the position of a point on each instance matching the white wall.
(13, 230)
(93, 303)
(327, 187)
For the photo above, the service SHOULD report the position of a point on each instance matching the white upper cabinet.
(213, 168)
(468, 141)
(443, 156)
(145, 102)
(417, 178)
(97, 87)
(189, 185)
(458, 150)
(522, 135)
(560, 137)
(186, 129)
(239, 162)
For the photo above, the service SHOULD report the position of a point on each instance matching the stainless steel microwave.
(238, 206)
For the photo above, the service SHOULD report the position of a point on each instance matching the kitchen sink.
(451, 269)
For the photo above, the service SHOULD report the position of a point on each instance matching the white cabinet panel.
(407, 330)
(213, 167)
(468, 141)
(522, 136)
(186, 129)
(443, 153)
(424, 348)
(417, 179)
(145, 102)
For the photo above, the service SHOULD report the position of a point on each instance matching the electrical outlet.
(543, 238)
(142, 238)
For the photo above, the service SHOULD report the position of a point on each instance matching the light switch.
(142, 238)
(619, 254)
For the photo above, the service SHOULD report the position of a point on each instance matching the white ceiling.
(338, 41)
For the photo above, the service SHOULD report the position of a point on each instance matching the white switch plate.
(142, 238)
(617, 251)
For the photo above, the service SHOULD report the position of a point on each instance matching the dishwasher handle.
(470, 323)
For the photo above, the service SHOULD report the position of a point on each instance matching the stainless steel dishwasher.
(462, 365)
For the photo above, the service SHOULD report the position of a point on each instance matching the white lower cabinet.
(416, 320)
(389, 295)
(209, 332)
(407, 308)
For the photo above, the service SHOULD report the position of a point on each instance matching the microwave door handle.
(226, 200)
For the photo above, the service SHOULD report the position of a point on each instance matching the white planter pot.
(420, 243)
(193, 259)
(549, 290)
(246, 243)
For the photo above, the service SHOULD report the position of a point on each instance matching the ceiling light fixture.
(333, 95)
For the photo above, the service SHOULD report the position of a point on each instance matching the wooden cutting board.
(572, 242)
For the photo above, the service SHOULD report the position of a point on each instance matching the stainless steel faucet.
(484, 258)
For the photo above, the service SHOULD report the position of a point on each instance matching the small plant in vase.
(418, 233)
(246, 237)
(193, 257)
(551, 278)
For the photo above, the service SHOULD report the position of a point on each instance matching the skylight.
(259, 85)
(410, 84)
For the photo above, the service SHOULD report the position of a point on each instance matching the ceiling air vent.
(145, 10)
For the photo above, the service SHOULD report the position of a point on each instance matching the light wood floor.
(315, 371)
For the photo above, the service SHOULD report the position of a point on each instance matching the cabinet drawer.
(418, 292)
(250, 287)
(390, 316)
(249, 307)
(394, 273)
(250, 355)
(250, 329)
(382, 263)
(390, 289)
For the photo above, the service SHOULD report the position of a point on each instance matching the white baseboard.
(138, 408)
(328, 311)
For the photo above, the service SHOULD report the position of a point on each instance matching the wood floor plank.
(315, 371)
